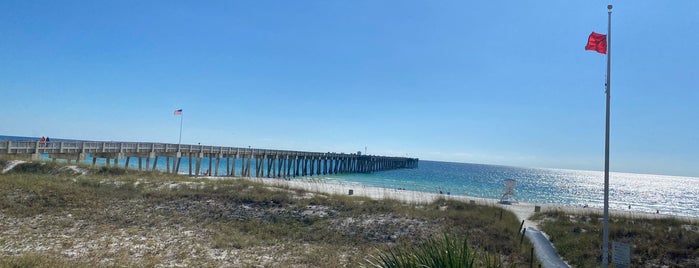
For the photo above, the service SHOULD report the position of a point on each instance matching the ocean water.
(643, 192)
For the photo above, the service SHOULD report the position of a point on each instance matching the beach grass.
(655, 242)
(56, 217)
(446, 251)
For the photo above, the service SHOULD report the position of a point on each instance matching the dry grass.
(53, 217)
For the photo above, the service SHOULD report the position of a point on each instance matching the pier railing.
(275, 163)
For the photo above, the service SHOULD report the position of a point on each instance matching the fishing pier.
(253, 162)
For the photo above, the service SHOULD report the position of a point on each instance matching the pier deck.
(254, 162)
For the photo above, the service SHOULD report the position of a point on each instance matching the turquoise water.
(643, 192)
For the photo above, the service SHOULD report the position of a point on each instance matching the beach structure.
(509, 191)
(255, 162)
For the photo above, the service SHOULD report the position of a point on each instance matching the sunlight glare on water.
(643, 192)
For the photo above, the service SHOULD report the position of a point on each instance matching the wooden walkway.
(253, 162)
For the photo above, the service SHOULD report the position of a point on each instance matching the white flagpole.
(605, 239)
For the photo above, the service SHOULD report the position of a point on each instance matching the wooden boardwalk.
(253, 162)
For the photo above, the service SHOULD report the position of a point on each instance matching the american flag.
(178, 112)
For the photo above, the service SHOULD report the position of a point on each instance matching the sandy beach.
(523, 210)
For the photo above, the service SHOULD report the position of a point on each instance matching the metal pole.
(605, 239)
(180, 140)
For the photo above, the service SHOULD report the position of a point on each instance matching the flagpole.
(605, 239)
(180, 140)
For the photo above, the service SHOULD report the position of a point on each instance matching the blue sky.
(494, 82)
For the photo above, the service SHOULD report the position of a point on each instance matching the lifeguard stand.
(509, 191)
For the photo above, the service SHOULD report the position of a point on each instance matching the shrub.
(111, 171)
(444, 252)
(34, 168)
(578, 239)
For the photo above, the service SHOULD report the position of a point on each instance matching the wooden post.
(155, 162)
(297, 165)
(248, 165)
(279, 165)
(243, 164)
(287, 162)
(190, 164)
(304, 171)
(313, 162)
(177, 166)
(210, 165)
(270, 165)
(330, 165)
(198, 168)
(338, 164)
(218, 161)
(234, 160)
(258, 167)
(319, 168)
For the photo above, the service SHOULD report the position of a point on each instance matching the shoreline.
(641, 206)
(523, 210)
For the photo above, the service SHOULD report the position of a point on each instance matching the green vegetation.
(659, 242)
(53, 216)
(445, 252)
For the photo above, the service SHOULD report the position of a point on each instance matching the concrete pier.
(267, 163)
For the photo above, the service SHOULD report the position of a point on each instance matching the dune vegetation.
(59, 216)
(655, 242)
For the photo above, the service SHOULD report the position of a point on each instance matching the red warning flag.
(597, 42)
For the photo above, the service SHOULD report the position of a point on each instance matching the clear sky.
(493, 82)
